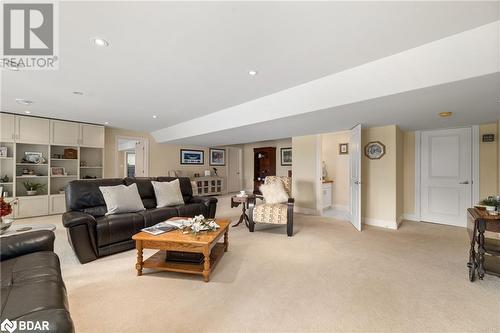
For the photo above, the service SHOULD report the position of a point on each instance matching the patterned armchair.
(281, 213)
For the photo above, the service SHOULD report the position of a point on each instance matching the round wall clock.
(375, 150)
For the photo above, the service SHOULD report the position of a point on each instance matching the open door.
(355, 175)
(140, 155)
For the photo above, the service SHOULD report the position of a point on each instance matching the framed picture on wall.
(192, 157)
(343, 148)
(217, 157)
(286, 156)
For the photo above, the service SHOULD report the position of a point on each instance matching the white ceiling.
(184, 60)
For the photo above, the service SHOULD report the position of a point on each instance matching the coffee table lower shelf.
(157, 261)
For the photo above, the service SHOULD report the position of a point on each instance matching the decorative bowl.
(5, 224)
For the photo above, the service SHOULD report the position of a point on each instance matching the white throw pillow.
(274, 193)
(122, 199)
(168, 193)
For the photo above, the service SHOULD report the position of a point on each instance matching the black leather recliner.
(92, 234)
(31, 281)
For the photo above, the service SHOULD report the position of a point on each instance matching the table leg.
(481, 251)
(226, 239)
(138, 265)
(243, 216)
(206, 265)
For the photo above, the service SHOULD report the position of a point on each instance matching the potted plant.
(32, 188)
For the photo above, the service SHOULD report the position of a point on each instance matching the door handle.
(357, 182)
(464, 182)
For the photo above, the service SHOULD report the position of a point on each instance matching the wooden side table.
(486, 259)
(243, 201)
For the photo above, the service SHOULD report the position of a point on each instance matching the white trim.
(475, 165)
(418, 140)
(146, 153)
(388, 224)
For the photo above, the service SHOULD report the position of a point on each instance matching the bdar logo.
(8, 326)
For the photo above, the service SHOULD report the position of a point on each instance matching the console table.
(208, 185)
(484, 253)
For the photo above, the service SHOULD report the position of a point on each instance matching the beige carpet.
(326, 278)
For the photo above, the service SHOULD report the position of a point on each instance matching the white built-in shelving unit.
(21, 134)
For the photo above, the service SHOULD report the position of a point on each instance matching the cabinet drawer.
(32, 206)
(57, 204)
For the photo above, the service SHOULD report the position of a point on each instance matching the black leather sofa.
(31, 282)
(93, 235)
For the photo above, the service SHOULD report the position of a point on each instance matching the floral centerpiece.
(5, 209)
(198, 224)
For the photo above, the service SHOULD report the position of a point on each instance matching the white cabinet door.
(64, 133)
(91, 136)
(57, 204)
(327, 195)
(7, 127)
(32, 206)
(32, 130)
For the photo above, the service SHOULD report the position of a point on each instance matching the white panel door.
(7, 127)
(64, 133)
(32, 130)
(234, 172)
(140, 163)
(91, 136)
(355, 175)
(446, 176)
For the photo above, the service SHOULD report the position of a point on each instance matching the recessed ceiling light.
(155, 116)
(106, 123)
(445, 114)
(23, 101)
(100, 42)
(252, 72)
(27, 112)
(78, 93)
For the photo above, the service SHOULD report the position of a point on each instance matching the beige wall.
(248, 159)
(488, 162)
(409, 172)
(162, 157)
(399, 175)
(305, 171)
(379, 188)
(337, 167)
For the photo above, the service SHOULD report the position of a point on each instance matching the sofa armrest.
(209, 202)
(74, 218)
(82, 234)
(25, 243)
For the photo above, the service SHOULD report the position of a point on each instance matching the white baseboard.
(410, 217)
(388, 224)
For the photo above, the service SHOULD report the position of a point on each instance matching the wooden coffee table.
(204, 242)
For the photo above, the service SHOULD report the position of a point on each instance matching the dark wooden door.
(264, 165)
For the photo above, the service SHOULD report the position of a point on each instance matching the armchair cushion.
(270, 213)
(274, 193)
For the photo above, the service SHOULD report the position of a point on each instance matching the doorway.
(234, 169)
(131, 157)
(446, 175)
(340, 186)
